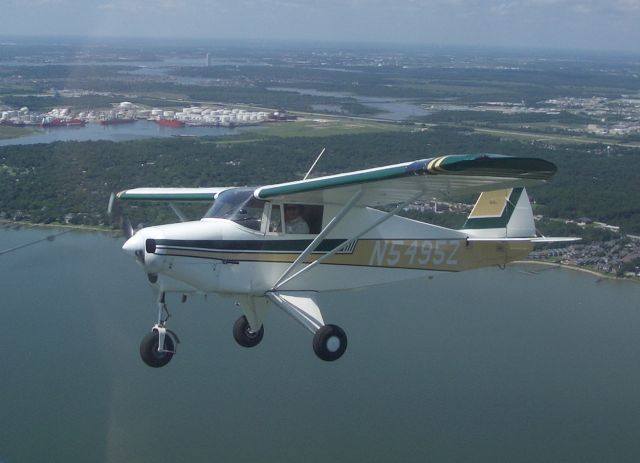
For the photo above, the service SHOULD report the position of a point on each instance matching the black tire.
(244, 336)
(149, 350)
(330, 342)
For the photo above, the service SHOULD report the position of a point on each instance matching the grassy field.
(323, 127)
(554, 139)
(14, 132)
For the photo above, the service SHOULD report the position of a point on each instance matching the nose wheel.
(151, 352)
(158, 346)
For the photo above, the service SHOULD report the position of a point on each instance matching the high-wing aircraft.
(277, 246)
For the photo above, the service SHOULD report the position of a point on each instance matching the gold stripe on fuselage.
(441, 255)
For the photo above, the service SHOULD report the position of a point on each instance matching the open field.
(14, 132)
(557, 139)
(325, 127)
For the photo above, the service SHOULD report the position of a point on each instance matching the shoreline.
(573, 267)
(10, 224)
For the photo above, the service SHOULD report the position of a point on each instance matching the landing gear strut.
(158, 346)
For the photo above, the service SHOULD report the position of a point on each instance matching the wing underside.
(440, 178)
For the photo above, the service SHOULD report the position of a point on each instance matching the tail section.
(501, 214)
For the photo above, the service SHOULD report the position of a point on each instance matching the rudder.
(501, 214)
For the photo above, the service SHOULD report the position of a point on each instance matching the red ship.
(170, 123)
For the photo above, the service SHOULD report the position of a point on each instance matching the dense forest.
(72, 181)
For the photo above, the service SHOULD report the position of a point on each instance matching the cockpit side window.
(275, 221)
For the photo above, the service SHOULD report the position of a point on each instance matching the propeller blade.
(118, 216)
(125, 226)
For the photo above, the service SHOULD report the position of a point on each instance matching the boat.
(76, 123)
(174, 123)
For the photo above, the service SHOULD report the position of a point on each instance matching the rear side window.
(302, 218)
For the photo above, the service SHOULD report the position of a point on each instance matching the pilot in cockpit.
(293, 221)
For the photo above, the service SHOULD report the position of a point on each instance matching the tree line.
(72, 181)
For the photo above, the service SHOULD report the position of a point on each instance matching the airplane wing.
(426, 179)
(171, 194)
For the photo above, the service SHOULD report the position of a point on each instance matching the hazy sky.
(600, 24)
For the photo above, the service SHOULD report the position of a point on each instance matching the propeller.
(114, 210)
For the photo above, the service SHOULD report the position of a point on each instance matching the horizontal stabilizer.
(555, 239)
(542, 239)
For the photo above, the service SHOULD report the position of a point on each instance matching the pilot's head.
(291, 212)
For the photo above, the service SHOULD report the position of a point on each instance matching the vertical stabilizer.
(501, 214)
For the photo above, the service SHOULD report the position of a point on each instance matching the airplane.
(278, 246)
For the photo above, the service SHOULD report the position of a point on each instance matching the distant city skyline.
(561, 24)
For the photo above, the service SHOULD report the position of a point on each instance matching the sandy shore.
(9, 224)
(573, 267)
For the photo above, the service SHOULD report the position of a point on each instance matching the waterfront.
(528, 364)
(394, 109)
(116, 132)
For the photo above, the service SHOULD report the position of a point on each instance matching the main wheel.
(149, 350)
(330, 342)
(244, 336)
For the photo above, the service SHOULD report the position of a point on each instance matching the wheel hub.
(333, 344)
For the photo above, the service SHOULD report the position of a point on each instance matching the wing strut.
(318, 239)
(178, 212)
(382, 219)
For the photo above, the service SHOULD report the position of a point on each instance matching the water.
(118, 132)
(479, 366)
(395, 109)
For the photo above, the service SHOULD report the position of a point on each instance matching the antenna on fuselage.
(314, 163)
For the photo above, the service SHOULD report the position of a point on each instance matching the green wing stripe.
(322, 183)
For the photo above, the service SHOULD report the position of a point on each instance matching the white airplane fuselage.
(220, 256)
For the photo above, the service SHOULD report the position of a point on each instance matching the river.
(528, 364)
(117, 132)
(394, 109)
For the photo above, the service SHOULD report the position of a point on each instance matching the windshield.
(238, 205)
